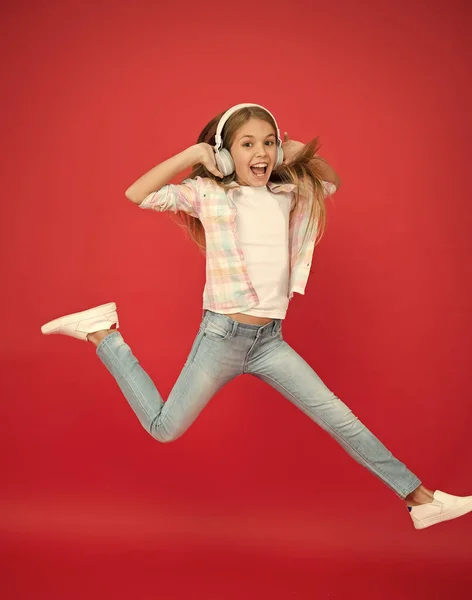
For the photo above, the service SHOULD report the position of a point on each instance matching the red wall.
(94, 96)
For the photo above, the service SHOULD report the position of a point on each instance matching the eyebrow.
(251, 136)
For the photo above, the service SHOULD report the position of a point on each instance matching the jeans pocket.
(215, 332)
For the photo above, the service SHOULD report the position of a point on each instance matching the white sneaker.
(79, 324)
(443, 508)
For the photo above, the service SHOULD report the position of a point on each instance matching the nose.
(261, 150)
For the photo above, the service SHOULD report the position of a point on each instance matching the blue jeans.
(224, 349)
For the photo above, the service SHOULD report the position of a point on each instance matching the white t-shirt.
(262, 222)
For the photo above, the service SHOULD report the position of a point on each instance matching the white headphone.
(224, 160)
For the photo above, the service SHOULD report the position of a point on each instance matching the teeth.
(260, 165)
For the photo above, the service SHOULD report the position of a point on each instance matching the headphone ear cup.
(280, 157)
(224, 161)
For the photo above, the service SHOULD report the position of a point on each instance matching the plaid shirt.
(228, 288)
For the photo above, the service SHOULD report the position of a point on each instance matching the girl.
(256, 208)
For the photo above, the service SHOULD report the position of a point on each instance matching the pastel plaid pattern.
(228, 288)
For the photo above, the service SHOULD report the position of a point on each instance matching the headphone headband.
(227, 115)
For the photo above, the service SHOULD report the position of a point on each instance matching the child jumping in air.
(255, 206)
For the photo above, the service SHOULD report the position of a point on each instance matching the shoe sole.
(97, 311)
(459, 512)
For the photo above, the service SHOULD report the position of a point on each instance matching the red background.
(254, 500)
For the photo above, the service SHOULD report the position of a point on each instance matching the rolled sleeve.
(182, 197)
(329, 188)
(306, 188)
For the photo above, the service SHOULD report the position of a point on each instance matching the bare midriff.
(249, 319)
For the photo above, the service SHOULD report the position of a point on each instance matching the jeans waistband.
(237, 328)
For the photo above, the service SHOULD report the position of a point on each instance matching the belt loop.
(234, 328)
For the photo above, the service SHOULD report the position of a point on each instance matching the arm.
(327, 171)
(161, 174)
(291, 147)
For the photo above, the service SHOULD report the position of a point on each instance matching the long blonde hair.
(302, 172)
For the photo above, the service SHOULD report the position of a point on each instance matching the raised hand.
(207, 158)
(290, 148)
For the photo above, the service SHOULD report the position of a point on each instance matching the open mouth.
(259, 170)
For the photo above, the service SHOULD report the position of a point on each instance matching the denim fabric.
(224, 349)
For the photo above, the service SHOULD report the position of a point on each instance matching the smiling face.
(254, 151)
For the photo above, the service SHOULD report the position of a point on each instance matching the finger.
(285, 136)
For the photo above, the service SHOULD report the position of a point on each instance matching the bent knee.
(164, 436)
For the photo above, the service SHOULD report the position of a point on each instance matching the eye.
(270, 143)
(247, 144)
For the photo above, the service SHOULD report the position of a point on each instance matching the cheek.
(239, 160)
